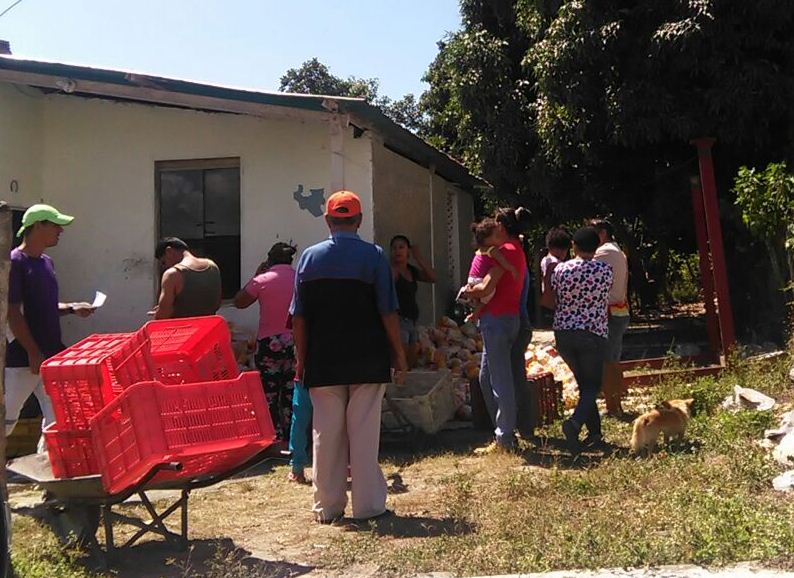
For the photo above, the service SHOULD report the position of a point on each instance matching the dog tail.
(636, 443)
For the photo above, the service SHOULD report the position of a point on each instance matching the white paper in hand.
(99, 300)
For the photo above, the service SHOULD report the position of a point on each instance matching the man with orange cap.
(347, 338)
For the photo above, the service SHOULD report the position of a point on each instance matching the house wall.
(21, 144)
(411, 200)
(95, 159)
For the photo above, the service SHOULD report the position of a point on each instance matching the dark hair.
(345, 221)
(281, 254)
(603, 225)
(515, 221)
(483, 230)
(400, 238)
(169, 243)
(558, 238)
(586, 239)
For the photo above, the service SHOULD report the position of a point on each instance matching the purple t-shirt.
(32, 284)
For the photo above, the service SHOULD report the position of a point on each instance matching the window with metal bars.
(199, 202)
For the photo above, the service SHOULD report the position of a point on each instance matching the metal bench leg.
(185, 496)
(107, 520)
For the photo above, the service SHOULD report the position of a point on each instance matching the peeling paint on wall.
(313, 202)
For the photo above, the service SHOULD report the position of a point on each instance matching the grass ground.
(708, 502)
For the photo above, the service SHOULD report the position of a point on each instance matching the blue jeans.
(618, 324)
(584, 353)
(526, 418)
(299, 427)
(499, 333)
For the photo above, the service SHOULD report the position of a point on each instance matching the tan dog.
(669, 418)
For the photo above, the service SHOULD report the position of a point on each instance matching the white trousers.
(19, 384)
(346, 428)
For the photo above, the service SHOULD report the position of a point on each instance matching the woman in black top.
(406, 277)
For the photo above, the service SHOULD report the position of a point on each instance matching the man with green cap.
(34, 310)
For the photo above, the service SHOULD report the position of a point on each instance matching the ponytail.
(515, 221)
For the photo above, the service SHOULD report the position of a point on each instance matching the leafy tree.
(480, 96)
(585, 107)
(314, 77)
(766, 199)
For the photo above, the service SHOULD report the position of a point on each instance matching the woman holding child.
(503, 319)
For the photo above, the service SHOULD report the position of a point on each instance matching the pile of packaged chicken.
(459, 349)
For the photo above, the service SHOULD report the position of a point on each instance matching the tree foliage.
(314, 77)
(766, 199)
(638, 72)
(583, 107)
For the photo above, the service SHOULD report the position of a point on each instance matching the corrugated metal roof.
(397, 138)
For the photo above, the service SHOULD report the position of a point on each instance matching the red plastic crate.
(209, 427)
(548, 395)
(191, 350)
(85, 377)
(71, 452)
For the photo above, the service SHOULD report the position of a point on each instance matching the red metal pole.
(714, 232)
(706, 272)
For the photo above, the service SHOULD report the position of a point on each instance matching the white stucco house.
(136, 157)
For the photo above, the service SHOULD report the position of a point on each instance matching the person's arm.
(19, 327)
(487, 285)
(81, 309)
(497, 255)
(426, 273)
(300, 339)
(391, 322)
(475, 314)
(168, 292)
(263, 267)
(248, 295)
(243, 299)
(388, 306)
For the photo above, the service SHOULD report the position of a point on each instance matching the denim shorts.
(407, 330)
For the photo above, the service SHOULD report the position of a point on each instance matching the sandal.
(298, 478)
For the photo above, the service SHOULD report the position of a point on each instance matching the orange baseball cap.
(343, 204)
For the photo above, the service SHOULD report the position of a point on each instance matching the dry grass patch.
(708, 501)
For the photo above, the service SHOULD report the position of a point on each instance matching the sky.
(244, 43)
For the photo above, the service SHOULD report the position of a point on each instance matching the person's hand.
(152, 312)
(82, 309)
(35, 360)
(400, 368)
(298, 370)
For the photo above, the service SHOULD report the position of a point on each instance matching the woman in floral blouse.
(581, 287)
(272, 287)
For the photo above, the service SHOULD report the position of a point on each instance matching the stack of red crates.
(80, 381)
(125, 403)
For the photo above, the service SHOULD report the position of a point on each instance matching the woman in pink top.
(272, 287)
(502, 324)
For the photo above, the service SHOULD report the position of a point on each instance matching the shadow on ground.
(545, 452)
(411, 527)
(205, 558)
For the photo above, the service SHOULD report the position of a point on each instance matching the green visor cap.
(39, 213)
